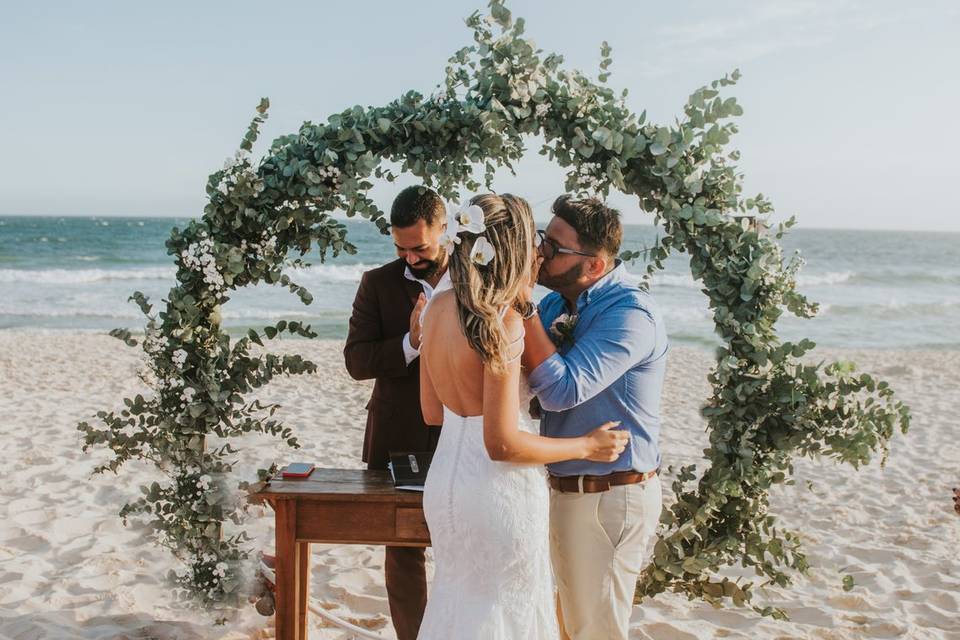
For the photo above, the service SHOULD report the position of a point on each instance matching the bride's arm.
(505, 441)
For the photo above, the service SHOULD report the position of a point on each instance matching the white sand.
(69, 569)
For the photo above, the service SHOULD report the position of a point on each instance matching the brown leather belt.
(596, 484)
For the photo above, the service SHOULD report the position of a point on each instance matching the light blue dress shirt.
(613, 370)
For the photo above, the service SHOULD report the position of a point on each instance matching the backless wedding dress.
(489, 527)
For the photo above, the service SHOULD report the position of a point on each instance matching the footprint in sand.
(664, 631)
(944, 600)
(933, 616)
(888, 630)
(36, 459)
(850, 601)
(28, 543)
(31, 518)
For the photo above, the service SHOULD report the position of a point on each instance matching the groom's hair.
(597, 225)
(416, 203)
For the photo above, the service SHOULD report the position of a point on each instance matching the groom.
(596, 352)
(383, 343)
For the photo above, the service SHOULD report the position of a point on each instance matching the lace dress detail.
(489, 526)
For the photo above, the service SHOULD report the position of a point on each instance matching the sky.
(120, 108)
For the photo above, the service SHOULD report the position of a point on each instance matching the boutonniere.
(561, 329)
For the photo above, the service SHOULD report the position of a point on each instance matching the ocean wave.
(832, 277)
(84, 276)
(317, 274)
(330, 273)
(685, 281)
(68, 312)
(907, 278)
(675, 280)
(230, 312)
(876, 310)
(683, 314)
(265, 314)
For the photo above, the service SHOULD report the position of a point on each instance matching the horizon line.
(797, 226)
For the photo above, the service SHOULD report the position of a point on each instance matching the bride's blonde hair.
(483, 292)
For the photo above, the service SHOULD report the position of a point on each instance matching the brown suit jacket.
(374, 349)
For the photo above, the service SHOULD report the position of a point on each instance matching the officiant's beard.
(560, 280)
(428, 268)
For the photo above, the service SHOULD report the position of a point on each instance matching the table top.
(338, 485)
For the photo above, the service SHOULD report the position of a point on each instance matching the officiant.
(383, 344)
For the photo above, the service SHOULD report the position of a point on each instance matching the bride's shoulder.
(444, 296)
(513, 322)
(441, 299)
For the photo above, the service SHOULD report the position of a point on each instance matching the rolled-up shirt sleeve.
(409, 352)
(617, 340)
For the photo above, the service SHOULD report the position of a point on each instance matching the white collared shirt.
(409, 352)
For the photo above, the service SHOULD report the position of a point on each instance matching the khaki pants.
(599, 543)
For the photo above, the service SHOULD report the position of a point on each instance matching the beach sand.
(70, 569)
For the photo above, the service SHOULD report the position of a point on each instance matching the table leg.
(303, 587)
(288, 565)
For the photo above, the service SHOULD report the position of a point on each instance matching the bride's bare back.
(455, 369)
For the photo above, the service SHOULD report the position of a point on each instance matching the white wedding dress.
(489, 527)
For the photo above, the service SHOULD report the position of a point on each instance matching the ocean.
(877, 289)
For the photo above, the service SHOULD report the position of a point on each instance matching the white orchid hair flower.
(449, 242)
(470, 218)
(482, 252)
(449, 239)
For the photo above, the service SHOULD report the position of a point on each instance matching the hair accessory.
(482, 252)
(468, 217)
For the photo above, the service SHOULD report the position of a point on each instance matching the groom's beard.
(562, 280)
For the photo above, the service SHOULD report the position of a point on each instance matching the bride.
(486, 499)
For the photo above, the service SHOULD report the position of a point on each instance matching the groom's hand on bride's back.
(606, 442)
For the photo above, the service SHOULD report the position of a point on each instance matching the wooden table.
(345, 506)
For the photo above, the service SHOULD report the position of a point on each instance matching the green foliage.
(767, 406)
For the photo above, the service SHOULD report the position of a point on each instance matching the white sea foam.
(316, 274)
(83, 276)
(232, 311)
(682, 281)
(40, 311)
(685, 281)
(330, 273)
(684, 314)
(832, 277)
(266, 314)
(901, 307)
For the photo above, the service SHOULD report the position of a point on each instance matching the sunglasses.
(550, 249)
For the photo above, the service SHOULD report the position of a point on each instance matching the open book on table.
(409, 469)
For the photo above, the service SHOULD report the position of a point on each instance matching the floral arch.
(766, 407)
